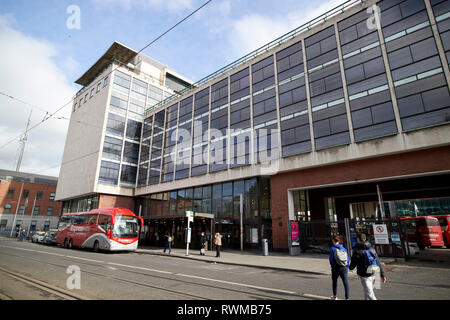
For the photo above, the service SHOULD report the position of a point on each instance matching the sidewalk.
(312, 263)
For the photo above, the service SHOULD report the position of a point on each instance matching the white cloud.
(250, 32)
(28, 72)
(171, 5)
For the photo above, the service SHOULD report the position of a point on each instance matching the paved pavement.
(312, 263)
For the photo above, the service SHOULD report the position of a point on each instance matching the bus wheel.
(70, 244)
(66, 244)
(96, 246)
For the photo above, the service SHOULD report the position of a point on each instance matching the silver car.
(38, 237)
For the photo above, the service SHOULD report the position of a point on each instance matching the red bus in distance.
(110, 229)
(424, 230)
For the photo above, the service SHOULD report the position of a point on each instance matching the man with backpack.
(339, 261)
(367, 264)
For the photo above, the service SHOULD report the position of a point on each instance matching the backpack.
(340, 257)
(371, 262)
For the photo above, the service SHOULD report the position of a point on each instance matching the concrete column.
(150, 150)
(162, 145)
(277, 100)
(228, 144)
(209, 133)
(252, 130)
(192, 134)
(308, 97)
(176, 145)
(344, 84)
(388, 71)
(439, 44)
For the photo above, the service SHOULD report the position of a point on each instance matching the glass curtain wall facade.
(223, 201)
(126, 148)
(335, 87)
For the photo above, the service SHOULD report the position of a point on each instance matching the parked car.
(444, 221)
(411, 248)
(38, 236)
(50, 237)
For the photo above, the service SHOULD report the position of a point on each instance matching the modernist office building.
(308, 127)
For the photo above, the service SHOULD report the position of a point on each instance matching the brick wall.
(33, 189)
(112, 201)
(430, 160)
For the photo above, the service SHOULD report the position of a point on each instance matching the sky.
(45, 46)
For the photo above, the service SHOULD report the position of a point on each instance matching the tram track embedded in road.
(64, 294)
(269, 295)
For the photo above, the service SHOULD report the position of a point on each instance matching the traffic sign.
(381, 234)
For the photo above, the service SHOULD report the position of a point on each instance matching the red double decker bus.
(112, 229)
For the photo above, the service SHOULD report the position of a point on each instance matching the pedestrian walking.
(202, 244)
(218, 243)
(339, 261)
(168, 242)
(367, 264)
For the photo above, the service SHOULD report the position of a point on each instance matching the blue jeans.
(168, 245)
(342, 272)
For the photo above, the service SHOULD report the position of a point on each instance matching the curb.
(230, 263)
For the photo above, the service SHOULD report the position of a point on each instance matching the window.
(109, 172)
(115, 124)
(99, 86)
(128, 175)
(36, 210)
(104, 222)
(7, 208)
(25, 194)
(112, 148)
(52, 196)
(10, 194)
(105, 82)
(86, 97)
(92, 92)
(49, 211)
(39, 195)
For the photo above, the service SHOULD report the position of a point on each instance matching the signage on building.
(295, 235)
(395, 236)
(380, 233)
(190, 215)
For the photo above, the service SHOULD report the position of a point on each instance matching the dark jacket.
(332, 260)
(203, 241)
(358, 259)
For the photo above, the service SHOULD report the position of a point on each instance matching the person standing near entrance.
(218, 243)
(339, 261)
(367, 264)
(202, 244)
(168, 242)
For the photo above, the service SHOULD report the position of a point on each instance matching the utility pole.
(241, 224)
(31, 219)
(22, 142)
(17, 209)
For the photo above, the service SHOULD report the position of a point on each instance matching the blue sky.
(36, 31)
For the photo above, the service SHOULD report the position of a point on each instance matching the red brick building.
(27, 201)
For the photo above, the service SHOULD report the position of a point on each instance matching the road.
(32, 271)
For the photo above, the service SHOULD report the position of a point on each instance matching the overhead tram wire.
(48, 116)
